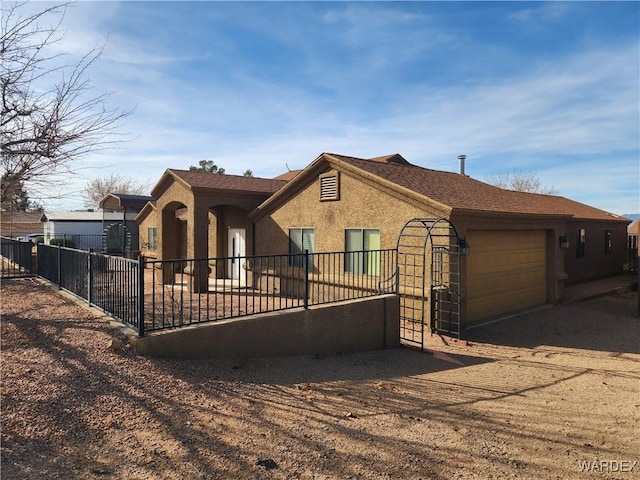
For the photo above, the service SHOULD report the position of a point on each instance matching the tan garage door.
(506, 272)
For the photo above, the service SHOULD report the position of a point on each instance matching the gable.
(359, 204)
(148, 210)
(322, 167)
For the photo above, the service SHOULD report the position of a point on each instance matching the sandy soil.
(536, 397)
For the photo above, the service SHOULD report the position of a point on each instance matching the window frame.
(366, 260)
(295, 253)
(152, 246)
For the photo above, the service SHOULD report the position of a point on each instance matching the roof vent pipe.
(462, 158)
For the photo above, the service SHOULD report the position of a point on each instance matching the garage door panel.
(506, 271)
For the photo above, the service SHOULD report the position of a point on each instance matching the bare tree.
(50, 116)
(98, 188)
(520, 181)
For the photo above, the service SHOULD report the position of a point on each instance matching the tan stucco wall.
(208, 216)
(360, 206)
(595, 263)
(365, 205)
(362, 325)
(151, 220)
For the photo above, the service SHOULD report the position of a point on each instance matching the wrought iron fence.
(115, 287)
(96, 242)
(17, 259)
(108, 283)
(152, 295)
(186, 292)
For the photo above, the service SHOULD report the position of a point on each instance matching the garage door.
(506, 272)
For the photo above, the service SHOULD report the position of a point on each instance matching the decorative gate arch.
(428, 279)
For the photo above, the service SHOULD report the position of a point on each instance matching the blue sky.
(546, 87)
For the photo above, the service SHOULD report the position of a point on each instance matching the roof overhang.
(167, 178)
(148, 209)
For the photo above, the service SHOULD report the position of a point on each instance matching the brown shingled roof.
(393, 158)
(287, 175)
(238, 183)
(464, 193)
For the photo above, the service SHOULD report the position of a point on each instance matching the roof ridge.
(193, 172)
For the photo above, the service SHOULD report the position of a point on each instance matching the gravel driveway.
(553, 394)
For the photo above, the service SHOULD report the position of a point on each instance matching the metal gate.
(428, 279)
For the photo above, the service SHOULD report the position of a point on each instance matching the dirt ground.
(554, 394)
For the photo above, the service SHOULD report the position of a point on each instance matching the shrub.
(63, 242)
(39, 239)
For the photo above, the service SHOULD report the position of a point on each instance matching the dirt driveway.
(550, 395)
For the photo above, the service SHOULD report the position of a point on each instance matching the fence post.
(89, 276)
(59, 267)
(306, 279)
(141, 296)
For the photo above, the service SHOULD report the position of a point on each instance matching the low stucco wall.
(345, 327)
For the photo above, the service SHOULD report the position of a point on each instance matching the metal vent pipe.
(462, 158)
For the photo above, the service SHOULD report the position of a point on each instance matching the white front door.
(236, 251)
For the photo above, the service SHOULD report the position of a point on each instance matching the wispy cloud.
(261, 86)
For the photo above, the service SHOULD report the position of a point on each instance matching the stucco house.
(524, 247)
(125, 207)
(202, 215)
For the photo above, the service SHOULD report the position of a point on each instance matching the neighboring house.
(127, 208)
(84, 228)
(523, 247)
(20, 224)
(111, 227)
(202, 215)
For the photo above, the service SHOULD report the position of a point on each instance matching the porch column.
(167, 243)
(198, 244)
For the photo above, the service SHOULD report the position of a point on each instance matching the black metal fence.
(161, 294)
(109, 283)
(17, 259)
(186, 292)
(94, 242)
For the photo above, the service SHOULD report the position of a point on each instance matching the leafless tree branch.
(44, 131)
(520, 181)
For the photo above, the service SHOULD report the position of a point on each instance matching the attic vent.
(329, 187)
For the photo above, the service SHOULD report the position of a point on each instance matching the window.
(152, 238)
(607, 242)
(581, 238)
(361, 247)
(329, 187)
(300, 239)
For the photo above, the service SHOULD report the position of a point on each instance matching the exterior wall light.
(564, 242)
(464, 247)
